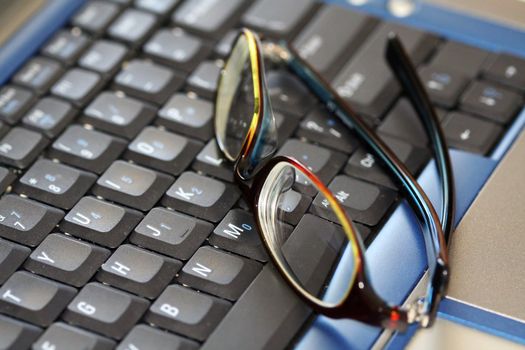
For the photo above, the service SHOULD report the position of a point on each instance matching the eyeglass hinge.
(416, 313)
(275, 52)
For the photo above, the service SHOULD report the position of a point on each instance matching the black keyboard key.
(321, 161)
(211, 161)
(78, 86)
(174, 47)
(105, 310)
(184, 311)
(49, 116)
(146, 337)
(470, 133)
(463, 58)
(188, 115)
(132, 185)
(412, 156)
(201, 196)
(12, 255)
(319, 240)
(95, 16)
(366, 82)
(443, 84)
(205, 78)
(277, 18)
(507, 70)
(163, 150)
(100, 222)
(285, 125)
(63, 336)
(171, 233)
(331, 38)
(322, 127)
(104, 57)
(14, 102)
(26, 221)
(7, 177)
(53, 183)
(491, 101)
(66, 259)
(213, 271)
(288, 94)
(38, 74)
(363, 202)
(280, 313)
(159, 7)
(403, 122)
(16, 335)
(118, 114)
(224, 46)
(87, 149)
(132, 26)
(20, 147)
(138, 271)
(18, 298)
(363, 165)
(237, 233)
(4, 129)
(147, 81)
(66, 46)
(293, 206)
(207, 17)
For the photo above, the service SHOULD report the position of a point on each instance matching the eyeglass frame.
(361, 301)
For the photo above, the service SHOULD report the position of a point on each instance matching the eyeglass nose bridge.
(263, 144)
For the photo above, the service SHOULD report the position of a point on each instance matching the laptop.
(121, 227)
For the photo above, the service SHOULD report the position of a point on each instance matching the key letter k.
(186, 195)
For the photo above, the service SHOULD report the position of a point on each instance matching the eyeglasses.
(246, 134)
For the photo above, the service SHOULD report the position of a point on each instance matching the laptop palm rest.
(487, 252)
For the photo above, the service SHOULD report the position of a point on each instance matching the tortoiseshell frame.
(361, 301)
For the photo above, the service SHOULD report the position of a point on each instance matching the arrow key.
(469, 133)
(491, 101)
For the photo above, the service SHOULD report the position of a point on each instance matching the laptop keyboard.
(119, 208)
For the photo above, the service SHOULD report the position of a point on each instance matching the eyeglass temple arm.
(405, 72)
(434, 241)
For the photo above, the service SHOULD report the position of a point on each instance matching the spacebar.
(267, 316)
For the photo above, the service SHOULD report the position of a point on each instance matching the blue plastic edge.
(511, 135)
(24, 43)
(458, 26)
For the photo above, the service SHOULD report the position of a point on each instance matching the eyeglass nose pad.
(264, 148)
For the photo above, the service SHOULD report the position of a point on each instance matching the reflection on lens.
(235, 100)
(241, 106)
(316, 250)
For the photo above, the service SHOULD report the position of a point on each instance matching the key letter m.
(233, 231)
